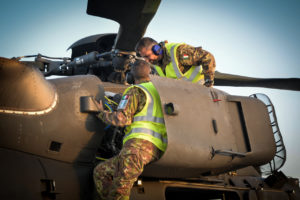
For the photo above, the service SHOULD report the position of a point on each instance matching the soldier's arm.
(189, 56)
(115, 118)
(124, 115)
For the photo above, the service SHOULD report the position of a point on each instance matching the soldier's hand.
(99, 105)
(209, 83)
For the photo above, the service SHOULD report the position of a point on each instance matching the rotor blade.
(133, 17)
(222, 79)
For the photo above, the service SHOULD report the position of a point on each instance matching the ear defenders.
(157, 49)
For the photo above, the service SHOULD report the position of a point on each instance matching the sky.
(259, 38)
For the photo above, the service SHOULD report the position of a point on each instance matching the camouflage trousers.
(115, 177)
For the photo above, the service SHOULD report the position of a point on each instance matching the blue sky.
(257, 38)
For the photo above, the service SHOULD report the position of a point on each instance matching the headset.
(157, 49)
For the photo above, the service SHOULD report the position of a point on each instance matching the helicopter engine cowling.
(43, 117)
(210, 132)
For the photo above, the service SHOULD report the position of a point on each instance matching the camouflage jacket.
(136, 100)
(188, 56)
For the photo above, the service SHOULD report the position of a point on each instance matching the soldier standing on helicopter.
(179, 60)
(145, 135)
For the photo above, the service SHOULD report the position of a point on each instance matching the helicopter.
(50, 136)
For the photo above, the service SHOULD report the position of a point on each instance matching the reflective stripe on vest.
(149, 123)
(149, 116)
(194, 71)
(149, 132)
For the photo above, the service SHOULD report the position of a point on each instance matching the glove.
(209, 82)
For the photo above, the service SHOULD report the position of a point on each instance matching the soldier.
(179, 60)
(145, 135)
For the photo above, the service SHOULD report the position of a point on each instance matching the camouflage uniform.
(123, 117)
(188, 56)
(115, 177)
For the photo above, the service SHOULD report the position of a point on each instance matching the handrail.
(280, 157)
(226, 153)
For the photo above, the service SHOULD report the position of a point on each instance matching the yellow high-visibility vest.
(149, 123)
(194, 74)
